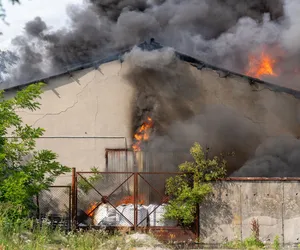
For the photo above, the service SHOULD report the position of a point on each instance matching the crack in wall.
(77, 97)
(68, 108)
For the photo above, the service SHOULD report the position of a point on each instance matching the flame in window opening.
(142, 134)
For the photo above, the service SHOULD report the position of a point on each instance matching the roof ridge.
(154, 45)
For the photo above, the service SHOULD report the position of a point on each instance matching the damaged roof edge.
(153, 45)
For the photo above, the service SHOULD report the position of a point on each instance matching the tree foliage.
(24, 171)
(188, 189)
(2, 10)
(86, 184)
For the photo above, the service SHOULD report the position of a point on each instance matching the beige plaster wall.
(87, 104)
(98, 102)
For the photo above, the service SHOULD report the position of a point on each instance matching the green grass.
(21, 237)
(249, 243)
(19, 233)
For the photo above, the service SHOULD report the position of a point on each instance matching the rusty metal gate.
(133, 200)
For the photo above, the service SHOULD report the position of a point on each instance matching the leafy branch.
(191, 187)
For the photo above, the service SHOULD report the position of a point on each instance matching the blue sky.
(53, 12)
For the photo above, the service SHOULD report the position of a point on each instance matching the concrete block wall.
(228, 213)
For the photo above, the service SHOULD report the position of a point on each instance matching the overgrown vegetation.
(24, 171)
(190, 188)
(252, 242)
(26, 235)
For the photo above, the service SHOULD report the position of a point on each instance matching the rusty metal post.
(282, 215)
(135, 200)
(74, 199)
(70, 209)
(197, 223)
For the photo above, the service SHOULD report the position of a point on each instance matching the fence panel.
(151, 187)
(101, 200)
(134, 200)
(55, 204)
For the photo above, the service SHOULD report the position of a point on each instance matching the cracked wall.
(100, 103)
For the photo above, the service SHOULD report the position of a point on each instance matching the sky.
(53, 12)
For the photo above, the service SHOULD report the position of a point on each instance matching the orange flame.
(91, 210)
(261, 65)
(143, 134)
(130, 200)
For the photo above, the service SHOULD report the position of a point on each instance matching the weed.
(248, 243)
(255, 228)
(234, 244)
(276, 243)
(252, 242)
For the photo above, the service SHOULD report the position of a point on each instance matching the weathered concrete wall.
(228, 213)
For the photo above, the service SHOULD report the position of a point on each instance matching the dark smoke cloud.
(166, 89)
(275, 157)
(7, 60)
(168, 92)
(222, 32)
(35, 27)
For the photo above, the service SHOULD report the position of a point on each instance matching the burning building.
(152, 98)
(143, 108)
(156, 100)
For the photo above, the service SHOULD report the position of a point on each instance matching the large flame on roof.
(142, 134)
(261, 65)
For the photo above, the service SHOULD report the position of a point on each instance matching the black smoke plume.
(221, 32)
(168, 91)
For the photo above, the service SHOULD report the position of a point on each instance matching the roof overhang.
(153, 45)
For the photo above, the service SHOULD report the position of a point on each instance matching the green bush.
(191, 187)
